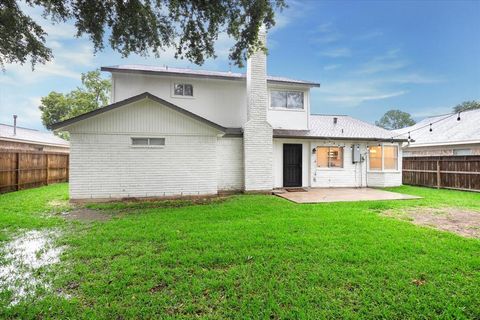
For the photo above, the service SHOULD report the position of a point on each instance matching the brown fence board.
(450, 172)
(23, 170)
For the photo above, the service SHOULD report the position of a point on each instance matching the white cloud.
(336, 52)
(295, 10)
(369, 35)
(413, 78)
(376, 66)
(25, 108)
(331, 67)
(431, 111)
(352, 93)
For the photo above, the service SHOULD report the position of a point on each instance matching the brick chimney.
(257, 132)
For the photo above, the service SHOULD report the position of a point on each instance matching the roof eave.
(203, 76)
(338, 138)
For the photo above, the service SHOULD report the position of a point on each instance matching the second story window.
(286, 99)
(183, 89)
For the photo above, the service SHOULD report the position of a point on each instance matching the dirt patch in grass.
(460, 221)
(85, 214)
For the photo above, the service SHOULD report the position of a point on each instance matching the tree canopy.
(143, 27)
(93, 94)
(395, 119)
(467, 105)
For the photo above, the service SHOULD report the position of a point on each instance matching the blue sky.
(422, 57)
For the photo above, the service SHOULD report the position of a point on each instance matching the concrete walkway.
(318, 195)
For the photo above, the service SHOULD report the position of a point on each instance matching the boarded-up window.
(390, 157)
(375, 155)
(330, 157)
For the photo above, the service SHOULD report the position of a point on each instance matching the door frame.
(300, 146)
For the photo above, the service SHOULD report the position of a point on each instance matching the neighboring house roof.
(31, 136)
(446, 130)
(145, 95)
(346, 127)
(180, 72)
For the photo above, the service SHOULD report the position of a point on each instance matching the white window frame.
(148, 146)
(330, 168)
(183, 83)
(303, 92)
(383, 158)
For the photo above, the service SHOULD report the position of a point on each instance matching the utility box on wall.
(356, 156)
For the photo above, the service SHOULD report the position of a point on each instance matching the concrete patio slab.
(319, 195)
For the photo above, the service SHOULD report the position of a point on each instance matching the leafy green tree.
(191, 27)
(93, 94)
(395, 119)
(467, 105)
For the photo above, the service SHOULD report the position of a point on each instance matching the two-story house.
(181, 132)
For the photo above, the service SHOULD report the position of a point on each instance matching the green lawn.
(251, 257)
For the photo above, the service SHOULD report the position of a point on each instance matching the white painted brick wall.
(258, 134)
(103, 163)
(230, 173)
(107, 166)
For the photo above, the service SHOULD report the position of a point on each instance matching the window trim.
(148, 146)
(328, 163)
(382, 145)
(172, 90)
(303, 109)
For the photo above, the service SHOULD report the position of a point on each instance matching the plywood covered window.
(286, 99)
(329, 157)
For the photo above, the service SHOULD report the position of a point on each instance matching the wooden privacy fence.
(450, 172)
(22, 170)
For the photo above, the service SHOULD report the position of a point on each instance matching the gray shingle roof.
(446, 131)
(323, 126)
(31, 136)
(161, 70)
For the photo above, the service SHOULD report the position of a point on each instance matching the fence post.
(68, 168)
(48, 171)
(17, 171)
(439, 180)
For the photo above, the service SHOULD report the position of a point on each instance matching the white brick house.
(177, 132)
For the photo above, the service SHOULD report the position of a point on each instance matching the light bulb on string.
(431, 127)
(458, 118)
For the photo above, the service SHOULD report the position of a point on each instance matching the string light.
(431, 127)
(427, 125)
(409, 135)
